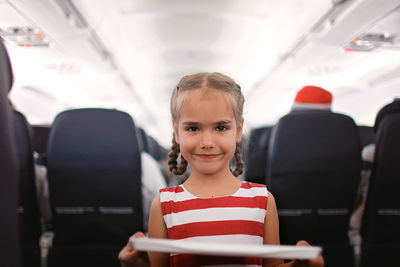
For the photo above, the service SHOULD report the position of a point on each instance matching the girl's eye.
(192, 129)
(221, 128)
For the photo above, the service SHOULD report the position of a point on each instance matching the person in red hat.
(312, 97)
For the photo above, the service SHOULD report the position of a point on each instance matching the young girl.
(212, 204)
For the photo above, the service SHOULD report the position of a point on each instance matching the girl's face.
(207, 131)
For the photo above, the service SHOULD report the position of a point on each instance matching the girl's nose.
(207, 142)
(207, 145)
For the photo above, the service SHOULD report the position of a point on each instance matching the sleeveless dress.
(238, 218)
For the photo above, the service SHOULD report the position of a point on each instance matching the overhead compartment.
(353, 19)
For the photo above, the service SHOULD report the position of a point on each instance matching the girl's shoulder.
(249, 185)
(172, 189)
(249, 189)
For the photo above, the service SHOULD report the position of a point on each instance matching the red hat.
(313, 95)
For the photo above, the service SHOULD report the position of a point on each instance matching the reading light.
(24, 36)
(371, 41)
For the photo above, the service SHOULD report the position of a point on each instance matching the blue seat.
(93, 162)
(367, 135)
(40, 138)
(29, 220)
(257, 155)
(314, 165)
(381, 219)
(9, 245)
(142, 137)
(29, 215)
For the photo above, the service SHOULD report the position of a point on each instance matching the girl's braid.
(239, 161)
(173, 159)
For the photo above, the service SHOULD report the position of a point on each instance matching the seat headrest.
(390, 108)
(6, 69)
(388, 144)
(315, 142)
(92, 139)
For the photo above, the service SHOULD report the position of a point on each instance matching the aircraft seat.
(142, 137)
(256, 155)
(28, 210)
(314, 165)
(40, 138)
(29, 215)
(367, 135)
(9, 245)
(94, 170)
(380, 229)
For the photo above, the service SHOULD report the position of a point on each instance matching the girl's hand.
(129, 257)
(317, 262)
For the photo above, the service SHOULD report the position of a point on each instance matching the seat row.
(313, 167)
(93, 165)
(94, 178)
(311, 161)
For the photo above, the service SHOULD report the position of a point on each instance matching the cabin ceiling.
(130, 54)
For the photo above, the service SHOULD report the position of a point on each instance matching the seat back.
(380, 226)
(367, 135)
(29, 215)
(40, 138)
(9, 245)
(142, 137)
(257, 155)
(313, 171)
(94, 170)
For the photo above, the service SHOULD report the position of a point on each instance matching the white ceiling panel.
(130, 54)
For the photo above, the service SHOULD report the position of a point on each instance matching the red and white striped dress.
(238, 218)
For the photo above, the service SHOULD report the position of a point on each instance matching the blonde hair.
(214, 80)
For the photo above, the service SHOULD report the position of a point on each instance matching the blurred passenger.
(152, 177)
(152, 182)
(312, 98)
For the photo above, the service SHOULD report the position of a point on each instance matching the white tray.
(225, 249)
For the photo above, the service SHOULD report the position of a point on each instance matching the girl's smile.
(207, 156)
